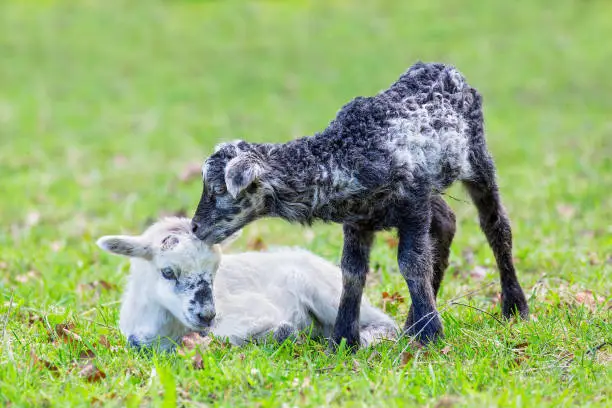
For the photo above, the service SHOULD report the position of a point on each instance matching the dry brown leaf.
(406, 357)
(64, 332)
(445, 350)
(106, 285)
(38, 361)
(62, 326)
(393, 299)
(197, 362)
(33, 318)
(103, 341)
(87, 355)
(256, 244)
(594, 259)
(520, 347)
(191, 171)
(396, 297)
(520, 359)
(392, 242)
(91, 373)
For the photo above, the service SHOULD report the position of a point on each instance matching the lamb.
(380, 164)
(178, 285)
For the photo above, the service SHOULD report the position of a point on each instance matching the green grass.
(104, 104)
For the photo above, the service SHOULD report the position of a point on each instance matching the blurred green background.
(108, 108)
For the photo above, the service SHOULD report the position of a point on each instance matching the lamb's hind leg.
(415, 264)
(495, 224)
(278, 333)
(441, 233)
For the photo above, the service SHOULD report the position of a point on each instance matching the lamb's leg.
(260, 335)
(483, 189)
(495, 224)
(415, 264)
(354, 265)
(441, 233)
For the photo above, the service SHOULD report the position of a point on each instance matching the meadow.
(108, 108)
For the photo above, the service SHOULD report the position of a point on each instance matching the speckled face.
(186, 268)
(230, 198)
(170, 287)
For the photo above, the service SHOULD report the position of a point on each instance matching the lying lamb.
(255, 295)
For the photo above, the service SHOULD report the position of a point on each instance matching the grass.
(104, 105)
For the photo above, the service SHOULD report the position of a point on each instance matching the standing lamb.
(178, 284)
(380, 164)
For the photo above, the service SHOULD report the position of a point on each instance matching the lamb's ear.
(241, 172)
(126, 245)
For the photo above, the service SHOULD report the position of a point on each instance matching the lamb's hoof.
(352, 340)
(424, 329)
(133, 342)
(284, 332)
(513, 303)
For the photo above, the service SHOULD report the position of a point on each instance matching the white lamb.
(170, 291)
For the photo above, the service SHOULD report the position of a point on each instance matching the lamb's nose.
(195, 226)
(206, 318)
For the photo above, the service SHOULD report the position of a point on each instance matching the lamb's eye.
(219, 190)
(168, 273)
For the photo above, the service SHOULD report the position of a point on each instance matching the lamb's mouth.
(200, 326)
(211, 237)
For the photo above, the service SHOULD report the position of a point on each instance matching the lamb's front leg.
(415, 264)
(354, 265)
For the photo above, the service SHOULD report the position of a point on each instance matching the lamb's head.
(170, 290)
(233, 193)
